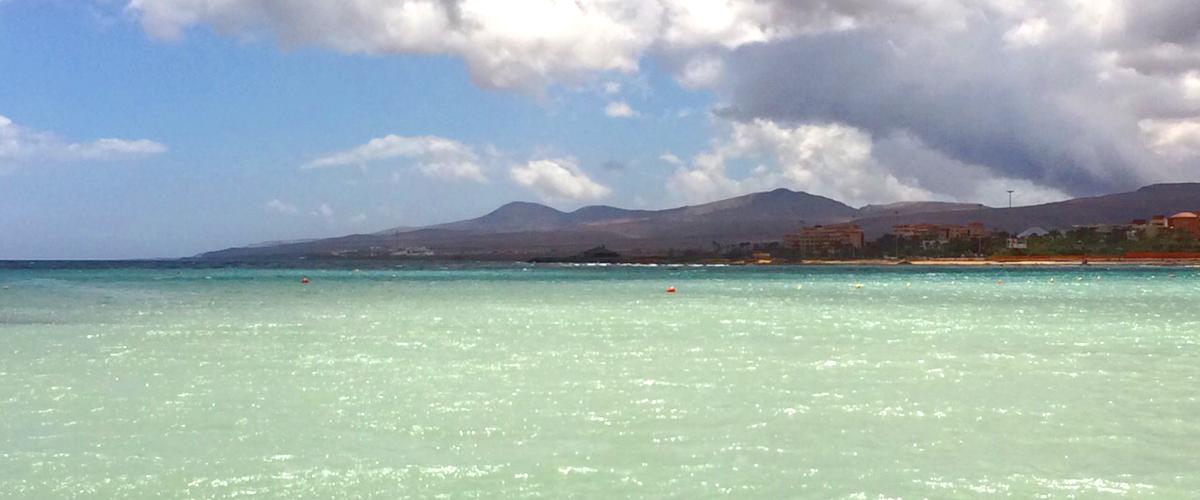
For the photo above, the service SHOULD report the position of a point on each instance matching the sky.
(166, 128)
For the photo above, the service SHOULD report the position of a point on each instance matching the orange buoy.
(670, 289)
(304, 280)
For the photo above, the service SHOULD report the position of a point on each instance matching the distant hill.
(521, 229)
(1121, 208)
(916, 207)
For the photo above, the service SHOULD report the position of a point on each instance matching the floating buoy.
(670, 289)
(304, 280)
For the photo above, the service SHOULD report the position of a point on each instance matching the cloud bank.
(508, 44)
(1055, 96)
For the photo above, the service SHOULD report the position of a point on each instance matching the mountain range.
(522, 230)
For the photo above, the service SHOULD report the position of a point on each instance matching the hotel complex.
(826, 240)
(848, 240)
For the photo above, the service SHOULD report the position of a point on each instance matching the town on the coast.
(1155, 224)
(1158, 237)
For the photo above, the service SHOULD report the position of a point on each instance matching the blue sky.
(164, 128)
(240, 119)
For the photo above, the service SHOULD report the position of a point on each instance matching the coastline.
(1011, 262)
(338, 263)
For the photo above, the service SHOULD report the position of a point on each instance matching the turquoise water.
(592, 382)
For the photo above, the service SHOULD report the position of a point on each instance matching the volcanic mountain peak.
(515, 217)
(779, 202)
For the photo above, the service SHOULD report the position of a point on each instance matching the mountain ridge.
(522, 229)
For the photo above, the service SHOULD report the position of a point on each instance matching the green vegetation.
(1089, 241)
(892, 246)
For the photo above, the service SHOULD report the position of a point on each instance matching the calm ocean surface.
(558, 382)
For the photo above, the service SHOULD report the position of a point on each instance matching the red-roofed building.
(1185, 221)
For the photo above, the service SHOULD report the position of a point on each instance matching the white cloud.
(23, 146)
(506, 44)
(691, 23)
(843, 163)
(1191, 85)
(509, 44)
(282, 207)
(829, 160)
(671, 158)
(1173, 138)
(612, 88)
(433, 156)
(358, 219)
(619, 109)
(1029, 33)
(558, 179)
(324, 211)
(701, 71)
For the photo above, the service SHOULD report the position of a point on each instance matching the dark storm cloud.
(1165, 21)
(1159, 38)
(969, 98)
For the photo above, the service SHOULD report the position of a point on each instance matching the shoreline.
(1015, 263)
(976, 262)
(930, 262)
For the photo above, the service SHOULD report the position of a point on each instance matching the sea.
(556, 381)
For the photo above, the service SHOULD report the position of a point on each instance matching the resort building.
(915, 231)
(826, 240)
(1185, 221)
(939, 232)
(1140, 228)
